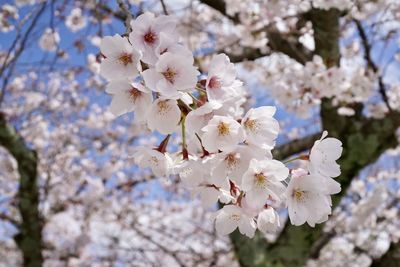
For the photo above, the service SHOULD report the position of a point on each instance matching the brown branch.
(164, 7)
(220, 6)
(285, 43)
(296, 146)
(9, 219)
(18, 52)
(117, 14)
(128, 15)
(371, 64)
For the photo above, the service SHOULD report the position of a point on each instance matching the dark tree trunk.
(29, 238)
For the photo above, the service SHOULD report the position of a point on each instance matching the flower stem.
(184, 146)
(301, 157)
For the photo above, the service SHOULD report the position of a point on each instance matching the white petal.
(164, 116)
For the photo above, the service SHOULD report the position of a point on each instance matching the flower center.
(163, 107)
(150, 37)
(125, 58)
(235, 217)
(169, 75)
(134, 93)
(299, 195)
(76, 20)
(223, 129)
(259, 179)
(231, 160)
(214, 83)
(252, 125)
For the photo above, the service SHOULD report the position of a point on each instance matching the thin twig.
(371, 64)
(164, 7)
(128, 15)
(21, 48)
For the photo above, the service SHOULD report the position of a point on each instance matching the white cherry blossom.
(221, 80)
(264, 179)
(260, 126)
(122, 60)
(231, 217)
(145, 35)
(129, 97)
(323, 156)
(199, 117)
(163, 116)
(195, 174)
(234, 164)
(222, 133)
(169, 44)
(75, 20)
(49, 40)
(307, 200)
(268, 221)
(172, 73)
(158, 162)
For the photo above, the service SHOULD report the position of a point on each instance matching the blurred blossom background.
(71, 195)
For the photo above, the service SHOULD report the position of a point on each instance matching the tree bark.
(29, 238)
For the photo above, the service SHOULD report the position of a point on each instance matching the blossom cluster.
(301, 87)
(225, 152)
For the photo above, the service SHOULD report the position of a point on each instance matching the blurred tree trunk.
(29, 238)
(364, 140)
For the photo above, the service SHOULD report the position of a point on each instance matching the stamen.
(260, 179)
(223, 129)
(125, 58)
(169, 75)
(235, 217)
(252, 125)
(232, 161)
(299, 195)
(134, 93)
(150, 37)
(163, 107)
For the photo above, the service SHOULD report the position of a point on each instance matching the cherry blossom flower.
(163, 116)
(234, 164)
(75, 21)
(307, 200)
(49, 40)
(129, 97)
(221, 79)
(169, 44)
(231, 217)
(268, 221)
(323, 156)
(199, 117)
(260, 126)
(172, 73)
(158, 162)
(122, 59)
(195, 174)
(145, 35)
(222, 133)
(264, 179)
